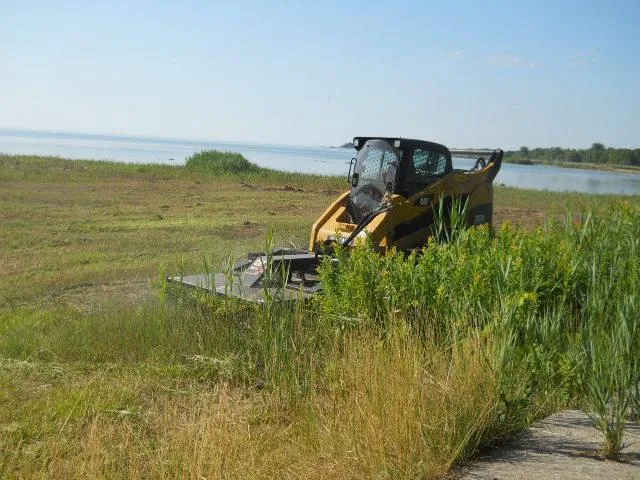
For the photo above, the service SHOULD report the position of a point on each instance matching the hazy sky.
(475, 73)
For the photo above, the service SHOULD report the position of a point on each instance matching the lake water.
(324, 160)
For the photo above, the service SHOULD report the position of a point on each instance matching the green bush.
(213, 162)
(558, 308)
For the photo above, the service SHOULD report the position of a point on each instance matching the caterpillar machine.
(398, 188)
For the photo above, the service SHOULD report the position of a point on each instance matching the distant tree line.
(598, 153)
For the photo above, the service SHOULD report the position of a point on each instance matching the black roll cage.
(403, 145)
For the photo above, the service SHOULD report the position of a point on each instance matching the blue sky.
(548, 73)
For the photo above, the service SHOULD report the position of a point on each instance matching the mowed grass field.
(92, 230)
(104, 375)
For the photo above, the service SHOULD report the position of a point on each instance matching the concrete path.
(564, 445)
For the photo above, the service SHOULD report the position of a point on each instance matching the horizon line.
(169, 139)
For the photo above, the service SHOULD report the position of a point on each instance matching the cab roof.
(358, 143)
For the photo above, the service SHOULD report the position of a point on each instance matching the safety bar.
(468, 152)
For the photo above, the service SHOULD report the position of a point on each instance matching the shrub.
(558, 308)
(214, 162)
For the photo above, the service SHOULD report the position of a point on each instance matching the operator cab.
(385, 166)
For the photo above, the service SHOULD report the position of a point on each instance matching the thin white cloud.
(510, 60)
(583, 57)
(455, 56)
(506, 60)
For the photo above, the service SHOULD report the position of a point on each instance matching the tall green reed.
(558, 304)
(553, 310)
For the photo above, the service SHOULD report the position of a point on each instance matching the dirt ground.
(565, 445)
(526, 217)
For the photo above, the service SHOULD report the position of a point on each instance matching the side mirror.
(354, 180)
(353, 162)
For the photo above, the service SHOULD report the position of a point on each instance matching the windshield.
(424, 167)
(375, 172)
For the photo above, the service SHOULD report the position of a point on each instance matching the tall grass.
(545, 319)
(403, 366)
(558, 306)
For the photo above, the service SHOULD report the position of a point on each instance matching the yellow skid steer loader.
(399, 187)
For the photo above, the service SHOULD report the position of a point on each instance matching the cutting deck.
(402, 193)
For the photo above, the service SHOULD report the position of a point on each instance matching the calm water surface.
(328, 161)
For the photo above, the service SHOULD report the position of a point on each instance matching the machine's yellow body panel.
(403, 191)
(474, 188)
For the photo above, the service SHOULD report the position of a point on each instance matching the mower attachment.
(283, 275)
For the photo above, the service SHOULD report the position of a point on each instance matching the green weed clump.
(214, 162)
(402, 367)
(558, 309)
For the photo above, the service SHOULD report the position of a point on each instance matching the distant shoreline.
(143, 149)
(510, 157)
(624, 169)
(52, 164)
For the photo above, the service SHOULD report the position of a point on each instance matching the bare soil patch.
(565, 445)
(525, 217)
